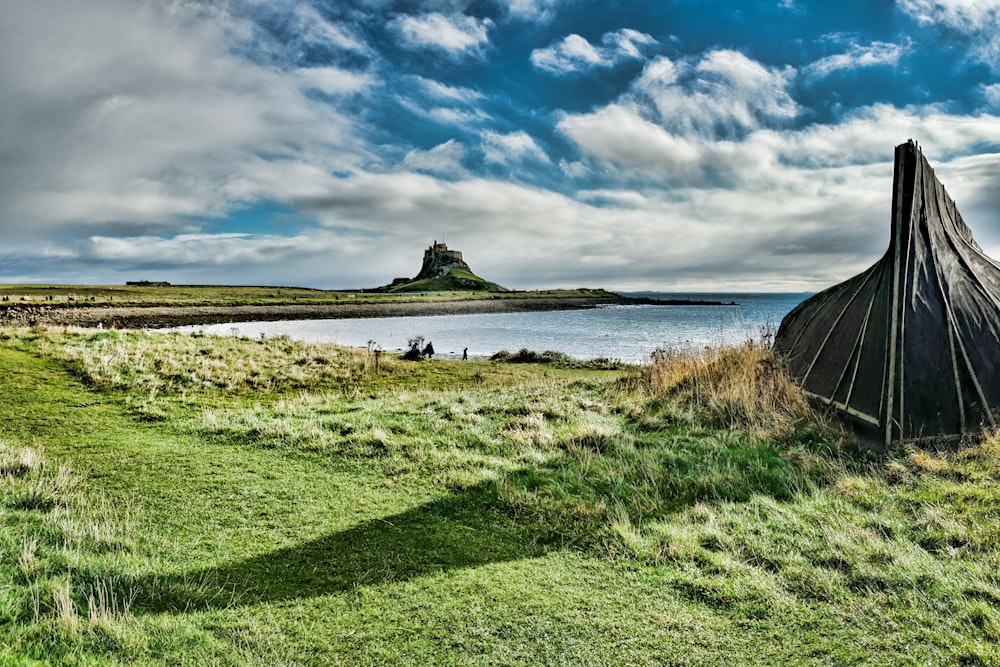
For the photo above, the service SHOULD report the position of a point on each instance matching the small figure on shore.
(465, 354)
(429, 350)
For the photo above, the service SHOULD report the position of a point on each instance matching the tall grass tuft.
(744, 387)
(18, 462)
(56, 531)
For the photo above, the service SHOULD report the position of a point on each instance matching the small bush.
(744, 386)
(415, 349)
(559, 359)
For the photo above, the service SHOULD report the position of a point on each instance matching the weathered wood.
(908, 350)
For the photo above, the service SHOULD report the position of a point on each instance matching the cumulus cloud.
(197, 249)
(619, 136)
(445, 159)
(575, 54)
(444, 104)
(511, 148)
(723, 95)
(828, 224)
(456, 35)
(142, 117)
(312, 28)
(125, 128)
(534, 10)
(440, 91)
(976, 19)
(724, 118)
(333, 80)
(709, 145)
(318, 256)
(858, 56)
(282, 33)
(992, 94)
(457, 116)
(963, 15)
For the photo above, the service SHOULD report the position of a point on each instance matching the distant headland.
(445, 285)
(443, 270)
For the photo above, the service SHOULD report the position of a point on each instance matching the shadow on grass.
(462, 530)
(541, 510)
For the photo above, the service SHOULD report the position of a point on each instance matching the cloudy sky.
(629, 144)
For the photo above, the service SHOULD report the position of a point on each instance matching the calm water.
(628, 333)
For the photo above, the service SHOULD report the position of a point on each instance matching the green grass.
(456, 279)
(169, 499)
(19, 295)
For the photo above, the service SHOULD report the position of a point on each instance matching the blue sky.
(673, 145)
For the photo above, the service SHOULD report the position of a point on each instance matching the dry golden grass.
(744, 386)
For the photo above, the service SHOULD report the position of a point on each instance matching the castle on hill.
(439, 261)
(443, 269)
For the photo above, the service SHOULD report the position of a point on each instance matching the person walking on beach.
(465, 354)
(429, 350)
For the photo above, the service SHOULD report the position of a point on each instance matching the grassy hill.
(189, 500)
(457, 279)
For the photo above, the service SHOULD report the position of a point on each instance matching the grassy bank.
(19, 295)
(198, 500)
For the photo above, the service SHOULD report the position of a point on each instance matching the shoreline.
(159, 317)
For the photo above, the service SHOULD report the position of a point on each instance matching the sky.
(676, 145)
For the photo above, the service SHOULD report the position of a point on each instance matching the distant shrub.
(414, 351)
(560, 359)
(526, 356)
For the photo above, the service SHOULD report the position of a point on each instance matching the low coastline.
(160, 316)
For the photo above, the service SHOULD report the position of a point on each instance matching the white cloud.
(576, 54)
(445, 159)
(627, 41)
(131, 121)
(723, 95)
(572, 54)
(858, 56)
(317, 257)
(333, 80)
(444, 104)
(964, 15)
(441, 91)
(815, 227)
(992, 94)
(978, 19)
(511, 148)
(456, 116)
(767, 199)
(137, 116)
(312, 28)
(456, 34)
(540, 11)
(620, 137)
(617, 134)
(574, 169)
(624, 198)
(218, 249)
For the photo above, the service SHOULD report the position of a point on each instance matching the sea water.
(625, 333)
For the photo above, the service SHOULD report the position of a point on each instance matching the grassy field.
(222, 295)
(187, 500)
